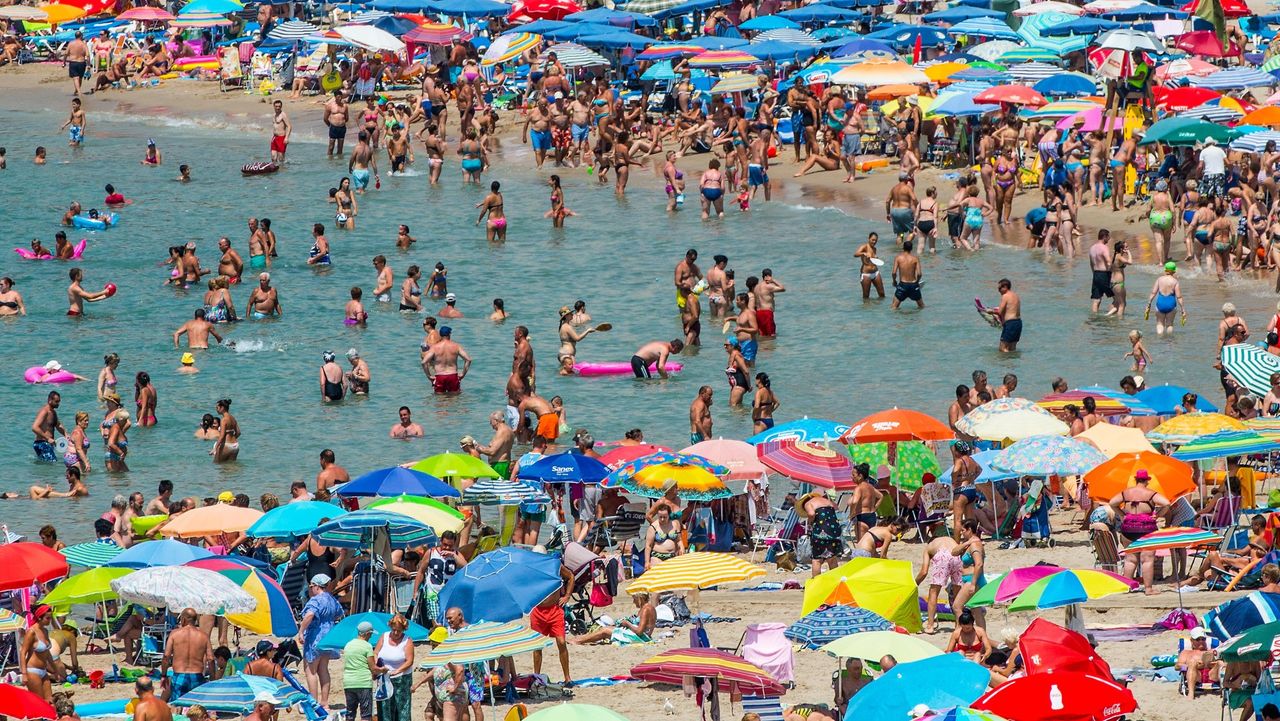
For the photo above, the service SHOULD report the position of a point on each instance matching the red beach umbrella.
(19, 703)
(1230, 8)
(808, 463)
(623, 455)
(1180, 99)
(524, 11)
(898, 424)
(1011, 94)
(22, 564)
(1065, 696)
(1049, 648)
(1205, 43)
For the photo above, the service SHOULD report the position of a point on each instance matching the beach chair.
(1224, 514)
(230, 73)
(612, 531)
(106, 629)
(1106, 550)
(933, 508)
(768, 708)
(765, 532)
(260, 68)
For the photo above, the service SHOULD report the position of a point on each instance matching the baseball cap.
(364, 627)
(320, 579)
(226, 497)
(188, 359)
(1197, 633)
(449, 298)
(446, 331)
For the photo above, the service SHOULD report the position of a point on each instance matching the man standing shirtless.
(700, 416)
(764, 292)
(440, 363)
(281, 129)
(188, 653)
(1009, 313)
(77, 60)
(906, 277)
(335, 116)
(197, 330)
(537, 128)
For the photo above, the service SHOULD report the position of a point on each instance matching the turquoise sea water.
(835, 356)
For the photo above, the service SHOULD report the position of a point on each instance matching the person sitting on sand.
(155, 64)
(633, 629)
(968, 640)
(117, 72)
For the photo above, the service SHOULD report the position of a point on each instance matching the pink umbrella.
(1205, 42)
(1090, 120)
(146, 14)
(738, 456)
(811, 463)
(1012, 94)
(623, 455)
(1185, 68)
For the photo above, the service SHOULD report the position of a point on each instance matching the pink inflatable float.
(37, 374)
(618, 368)
(75, 255)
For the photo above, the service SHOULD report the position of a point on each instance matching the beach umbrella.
(573, 55)
(655, 8)
(1033, 28)
(575, 712)
(736, 58)
(1166, 399)
(1186, 132)
(1066, 696)
(622, 455)
(92, 586)
(1009, 419)
(273, 616)
(1048, 6)
(1097, 7)
(785, 35)
(470, 8)
(873, 645)
(988, 474)
(485, 641)
(1184, 68)
(357, 529)
(1047, 647)
(942, 72)
(293, 520)
(541, 27)
(989, 76)
(865, 48)
(436, 34)
(984, 28)
(1070, 586)
(1206, 43)
(768, 22)
(501, 492)
(608, 16)
(1241, 614)
(19, 703)
(716, 42)
(145, 14)
(813, 430)
(832, 33)
(1173, 537)
(217, 7)
(812, 463)
(819, 13)
(343, 631)
(1254, 644)
(292, 30)
(527, 10)
(1009, 586)
(1088, 121)
(1183, 98)
(1227, 444)
(911, 461)
(1266, 426)
(502, 585)
(439, 516)
(1189, 426)
(834, 622)
(875, 72)
(961, 713)
(1105, 406)
(1144, 11)
(1113, 440)
(1268, 116)
(368, 16)
(739, 457)
(370, 37)
(91, 554)
(691, 482)
(733, 672)
(180, 587)
(697, 570)
(200, 20)
(1029, 55)
(11, 622)
(907, 36)
(662, 70)
(158, 553)
(1012, 95)
(22, 12)
(235, 694)
(884, 586)
(956, 13)
(1232, 78)
(624, 476)
(776, 50)
(210, 521)
(897, 424)
(57, 13)
(616, 39)
(936, 682)
(1033, 72)
(397, 481)
(992, 49)
(1080, 26)
(24, 563)
(1230, 8)
(1251, 366)
(955, 104)
(454, 465)
(668, 51)
(1048, 456)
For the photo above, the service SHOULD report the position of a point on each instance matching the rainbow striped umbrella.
(813, 463)
(1106, 406)
(669, 51)
(1070, 586)
(10, 621)
(1269, 426)
(435, 34)
(1190, 426)
(962, 713)
(723, 59)
(1057, 109)
(485, 641)
(703, 569)
(200, 20)
(509, 47)
(1010, 585)
(1225, 444)
(733, 672)
(272, 617)
(1173, 537)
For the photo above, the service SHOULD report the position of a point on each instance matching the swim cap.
(226, 497)
(188, 359)
(329, 356)
(446, 331)
(450, 298)
(1171, 267)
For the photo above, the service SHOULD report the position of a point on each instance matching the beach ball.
(110, 288)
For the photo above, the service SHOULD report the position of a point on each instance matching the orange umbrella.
(889, 92)
(1169, 476)
(59, 13)
(897, 424)
(210, 521)
(1268, 115)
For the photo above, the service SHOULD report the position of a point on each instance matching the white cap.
(53, 365)
(320, 579)
(266, 697)
(1139, 381)
(449, 298)
(1197, 633)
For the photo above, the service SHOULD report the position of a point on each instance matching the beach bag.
(1178, 620)
(804, 550)
(1138, 523)
(382, 688)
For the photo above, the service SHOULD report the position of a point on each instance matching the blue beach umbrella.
(358, 528)
(1049, 456)
(959, 58)
(573, 31)
(985, 28)
(541, 27)
(715, 42)
(1230, 79)
(866, 48)
(663, 70)
(565, 468)
(818, 13)
(1081, 26)
(687, 8)
(1032, 27)
(620, 18)
(1066, 84)
(1165, 399)
(1144, 11)
(1241, 614)
(235, 694)
(813, 430)
(470, 8)
(833, 33)
(988, 474)
(832, 622)
(293, 520)
(768, 22)
(502, 585)
(986, 75)
(165, 552)
(396, 26)
(786, 35)
(216, 7)
(774, 50)
(395, 481)
(904, 36)
(345, 630)
(1226, 444)
(954, 104)
(616, 40)
(937, 682)
(961, 12)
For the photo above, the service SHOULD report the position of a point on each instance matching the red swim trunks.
(764, 318)
(547, 620)
(278, 144)
(447, 383)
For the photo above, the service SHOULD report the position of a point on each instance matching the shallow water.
(836, 356)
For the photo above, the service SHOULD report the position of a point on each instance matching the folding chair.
(764, 532)
(1106, 550)
(230, 74)
(769, 708)
(611, 531)
(933, 508)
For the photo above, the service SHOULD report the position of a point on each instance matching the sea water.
(835, 356)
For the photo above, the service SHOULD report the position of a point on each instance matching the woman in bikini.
(675, 182)
(972, 555)
(664, 540)
(107, 376)
(474, 158)
(117, 444)
(1121, 259)
(764, 405)
(77, 455)
(558, 211)
(827, 157)
(1006, 179)
(36, 654)
(968, 640)
(1139, 505)
(345, 217)
(622, 162)
(496, 228)
(144, 396)
(227, 447)
(943, 570)
(877, 539)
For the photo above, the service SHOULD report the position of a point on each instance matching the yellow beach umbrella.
(1113, 440)
(884, 586)
(875, 645)
(736, 83)
(693, 571)
(59, 13)
(941, 73)
(1190, 426)
(926, 103)
(210, 521)
(692, 483)
(440, 517)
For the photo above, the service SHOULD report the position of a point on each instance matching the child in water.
(1141, 358)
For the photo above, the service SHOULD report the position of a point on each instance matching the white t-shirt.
(1214, 159)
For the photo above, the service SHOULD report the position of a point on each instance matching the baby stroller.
(595, 583)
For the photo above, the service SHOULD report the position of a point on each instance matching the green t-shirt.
(355, 664)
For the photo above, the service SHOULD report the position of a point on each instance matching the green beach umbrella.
(1252, 645)
(1184, 131)
(988, 65)
(913, 460)
(576, 712)
(872, 454)
(91, 586)
(454, 465)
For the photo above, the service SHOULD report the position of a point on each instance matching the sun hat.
(1141, 475)
(53, 366)
(188, 359)
(438, 634)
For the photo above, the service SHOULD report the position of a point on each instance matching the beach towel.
(1124, 633)
(766, 646)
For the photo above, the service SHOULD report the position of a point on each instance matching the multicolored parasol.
(1227, 444)
(882, 585)
(1190, 426)
(723, 59)
(1173, 537)
(1010, 419)
(273, 616)
(695, 571)
(735, 674)
(834, 622)
(1009, 585)
(812, 463)
(486, 641)
(1049, 456)
(1069, 587)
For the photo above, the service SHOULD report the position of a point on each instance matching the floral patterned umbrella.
(1049, 456)
(1011, 419)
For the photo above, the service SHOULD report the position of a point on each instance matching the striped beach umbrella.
(786, 35)
(723, 59)
(668, 51)
(1070, 586)
(369, 16)
(439, 516)
(357, 529)
(235, 694)
(1033, 72)
(984, 28)
(91, 554)
(1250, 365)
(1049, 456)
(1057, 402)
(292, 30)
(575, 712)
(501, 492)
(1190, 426)
(1266, 426)
(813, 463)
(963, 713)
(1009, 585)
(1213, 114)
(1227, 444)
(735, 83)
(832, 622)
(1233, 78)
(988, 76)
(1010, 419)
(1028, 55)
(435, 34)
(485, 641)
(1241, 614)
(649, 7)
(733, 672)
(697, 570)
(273, 616)
(573, 55)
(1173, 537)
(10, 621)
(1254, 644)
(200, 20)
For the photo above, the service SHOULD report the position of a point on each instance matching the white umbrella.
(1049, 6)
(292, 30)
(22, 12)
(370, 37)
(179, 587)
(573, 55)
(1255, 142)
(992, 49)
(786, 35)
(1031, 72)
(1098, 7)
(1128, 39)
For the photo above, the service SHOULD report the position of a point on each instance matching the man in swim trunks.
(522, 363)
(440, 363)
(537, 127)
(1009, 313)
(687, 276)
(281, 129)
(1100, 263)
(758, 169)
(45, 424)
(188, 653)
(1213, 170)
(580, 126)
(561, 136)
(700, 416)
(747, 329)
(335, 116)
(230, 266)
(257, 246)
(548, 427)
(385, 282)
(399, 152)
(197, 330)
(654, 353)
(906, 277)
(264, 301)
(900, 207)
(499, 448)
(77, 60)
(764, 292)
(362, 160)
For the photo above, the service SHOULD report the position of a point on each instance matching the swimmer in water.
(356, 314)
(558, 211)
(319, 253)
(75, 488)
(386, 281)
(496, 229)
(153, 156)
(499, 313)
(72, 212)
(40, 158)
(227, 447)
(410, 293)
(184, 173)
(403, 239)
(78, 296)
